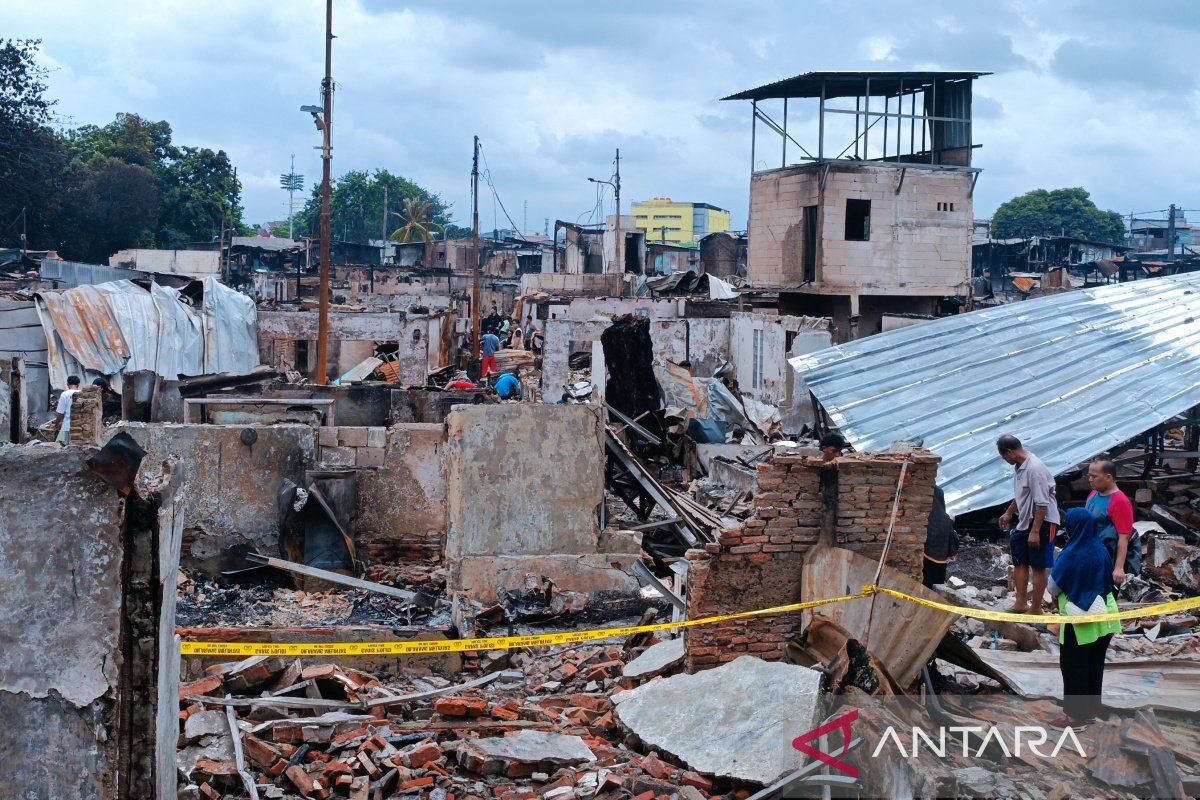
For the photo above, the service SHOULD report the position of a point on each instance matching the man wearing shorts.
(1035, 509)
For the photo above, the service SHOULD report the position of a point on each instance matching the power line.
(487, 176)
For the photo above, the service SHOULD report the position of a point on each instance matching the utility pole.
(326, 159)
(525, 220)
(618, 243)
(1171, 232)
(475, 252)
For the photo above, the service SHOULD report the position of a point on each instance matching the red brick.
(203, 687)
(422, 754)
(415, 783)
(461, 706)
(695, 780)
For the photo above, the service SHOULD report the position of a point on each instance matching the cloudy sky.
(1097, 94)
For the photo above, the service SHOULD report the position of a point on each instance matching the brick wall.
(401, 510)
(802, 502)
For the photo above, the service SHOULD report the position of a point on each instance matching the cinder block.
(376, 437)
(337, 456)
(352, 437)
(369, 456)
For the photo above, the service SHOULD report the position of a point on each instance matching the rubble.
(656, 659)
(745, 703)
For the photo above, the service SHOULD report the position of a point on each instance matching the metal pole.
(475, 252)
(1171, 233)
(866, 154)
(753, 133)
(933, 139)
(821, 127)
(326, 164)
(618, 244)
(886, 106)
(783, 161)
(291, 200)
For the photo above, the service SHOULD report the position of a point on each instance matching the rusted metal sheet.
(83, 324)
(110, 328)
(902, 636)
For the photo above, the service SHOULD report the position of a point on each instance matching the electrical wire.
(487, 176)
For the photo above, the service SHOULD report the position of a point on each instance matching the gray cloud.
(553, 88)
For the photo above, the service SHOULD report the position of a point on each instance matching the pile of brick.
(543, 728)
(87, 417)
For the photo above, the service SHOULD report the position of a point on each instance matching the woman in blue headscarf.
(1081, 583)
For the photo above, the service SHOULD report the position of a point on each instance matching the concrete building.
(187, 263)
(666, 221)
(877, 217)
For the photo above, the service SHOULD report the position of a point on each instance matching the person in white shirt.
(63, 409)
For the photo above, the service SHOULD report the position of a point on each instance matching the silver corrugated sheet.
(1070, 374)
(109, 329)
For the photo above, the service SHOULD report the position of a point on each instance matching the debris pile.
(545, 727)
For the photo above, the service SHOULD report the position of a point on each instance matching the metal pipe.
(783, 161)
(821, 127)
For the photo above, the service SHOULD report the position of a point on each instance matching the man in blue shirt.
(508, 387)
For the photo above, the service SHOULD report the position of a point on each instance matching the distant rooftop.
(849, 84)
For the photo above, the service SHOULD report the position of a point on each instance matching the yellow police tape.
(577, 637)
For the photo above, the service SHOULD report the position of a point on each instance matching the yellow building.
(665, 220)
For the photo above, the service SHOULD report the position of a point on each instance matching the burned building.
(876, 217)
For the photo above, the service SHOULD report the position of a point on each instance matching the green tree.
(129, 138)
(356, 205)
(1054, 213)
(200, 188)
(32, 157)
(113, 205)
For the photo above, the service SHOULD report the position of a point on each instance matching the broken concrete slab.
(656, 659)
(736, 720)
(204, 723)
(524, 753)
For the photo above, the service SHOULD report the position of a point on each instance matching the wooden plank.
(333, 577)
(643, 572)
(238, 757)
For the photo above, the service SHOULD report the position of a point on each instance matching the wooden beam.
(333, 577)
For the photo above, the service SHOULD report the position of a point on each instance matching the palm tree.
(418, 221)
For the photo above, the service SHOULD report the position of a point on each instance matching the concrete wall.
(775, 376)
(583, 309)
(524, 479)
(525, 486)
(188, 263)
(703, 340)
(402, 504)
(352, 337)
(60, 618)
(579, 285)
(229, 490)
(914, 247)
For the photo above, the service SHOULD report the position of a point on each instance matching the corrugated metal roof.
(1070, 375)
(849, 84)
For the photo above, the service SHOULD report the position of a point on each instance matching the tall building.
(665, 220)
(874, 218)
